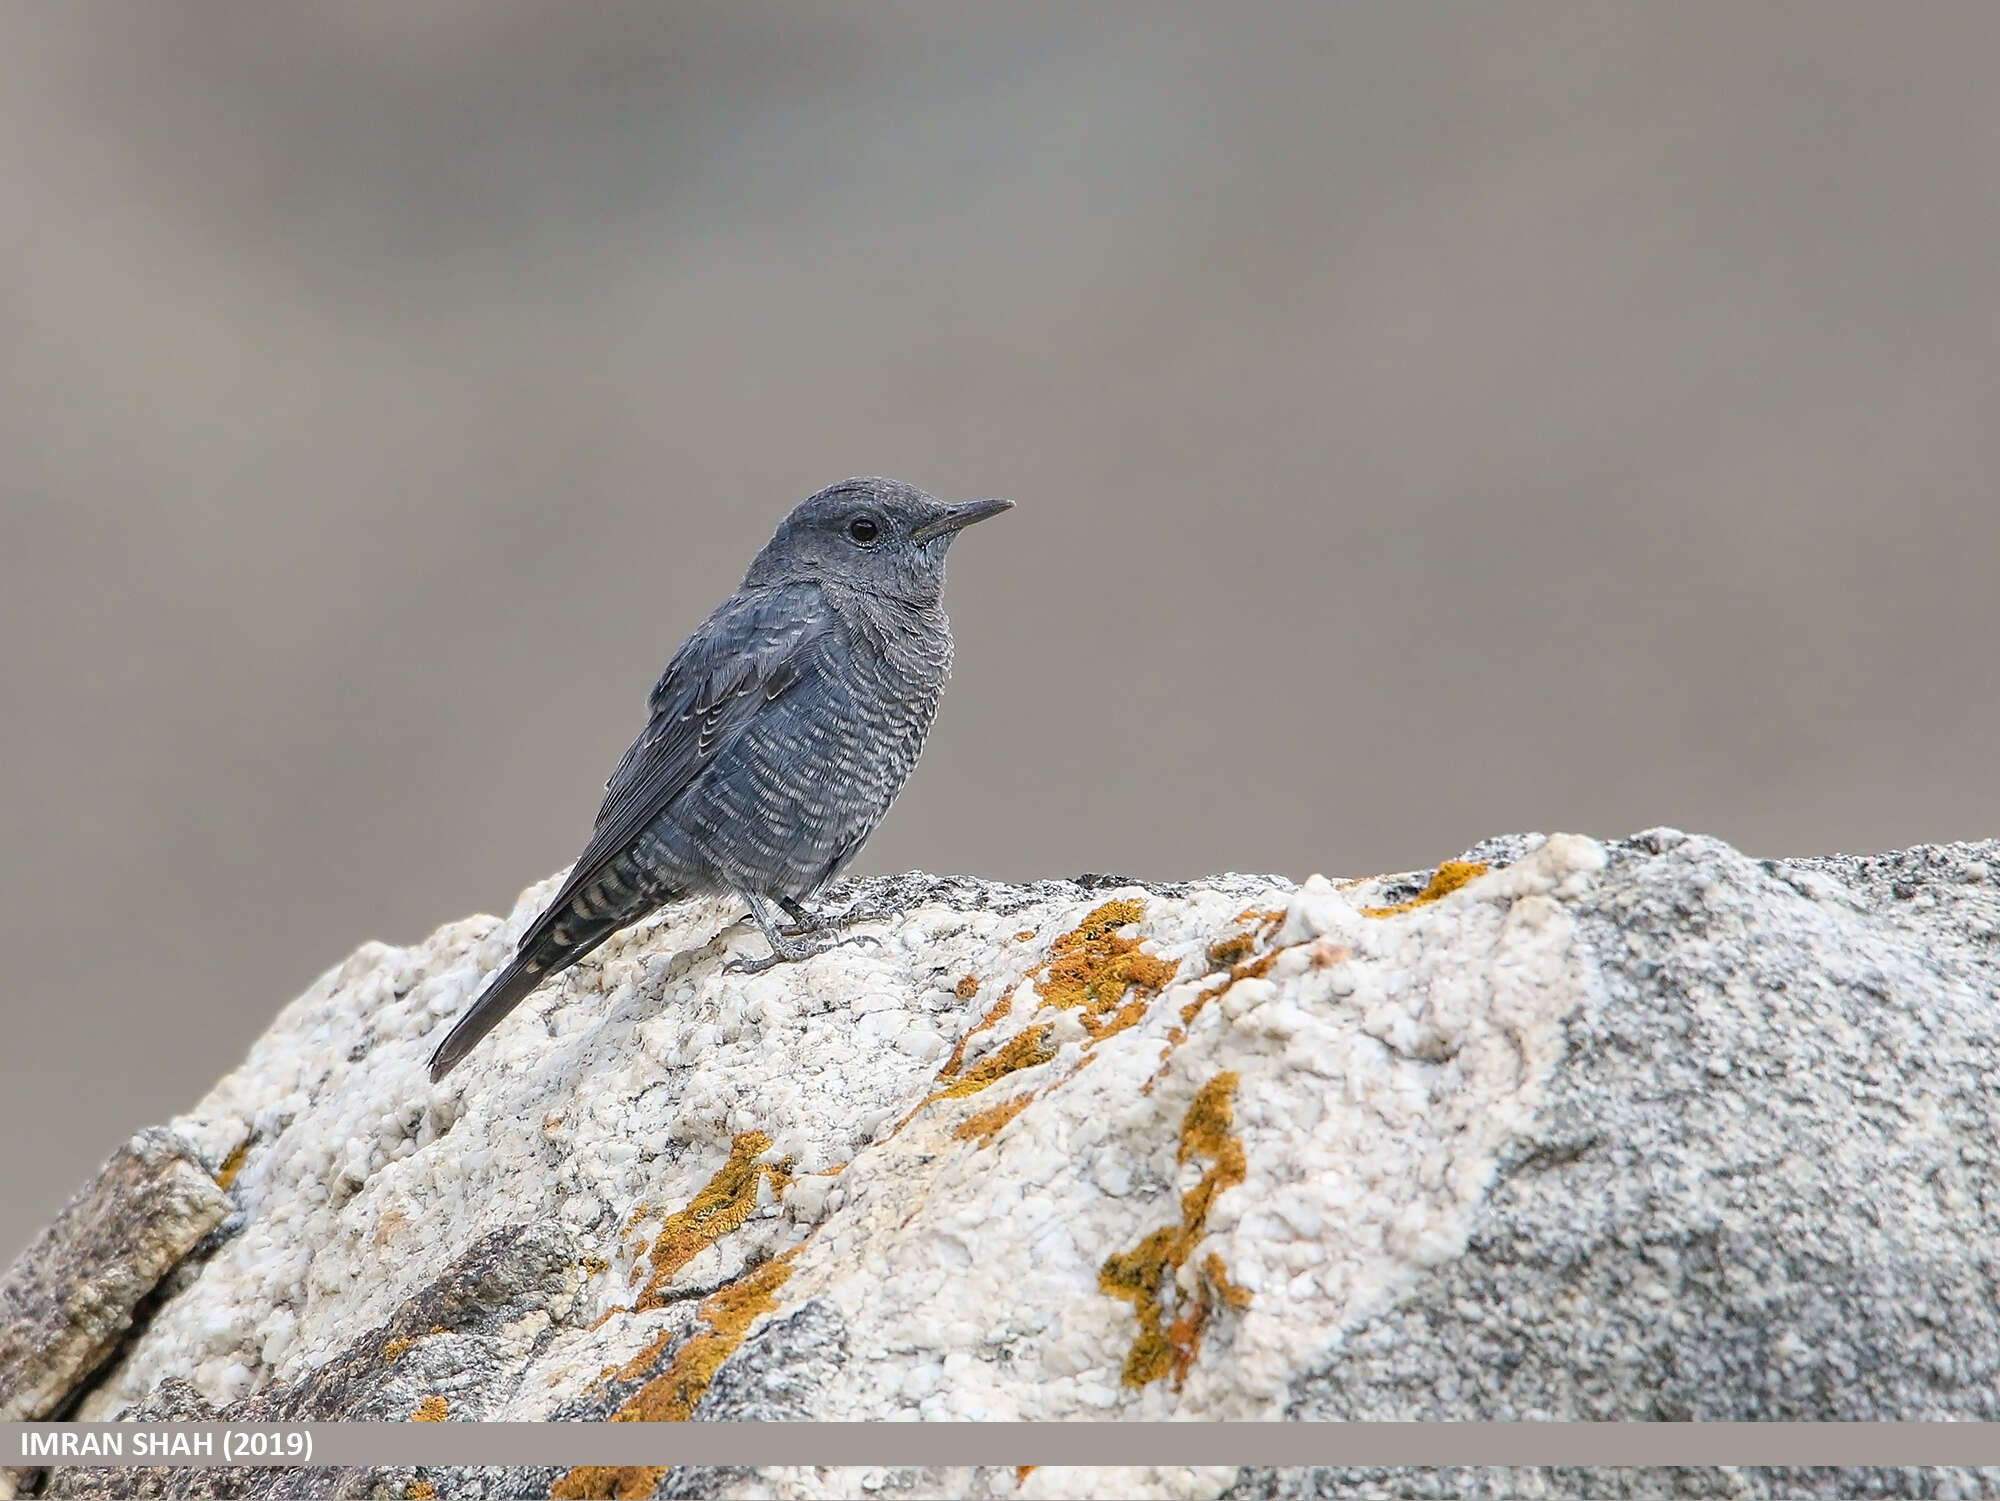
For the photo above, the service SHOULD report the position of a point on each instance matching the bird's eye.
(863, 530)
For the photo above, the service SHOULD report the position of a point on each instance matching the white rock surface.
(1547, 1144)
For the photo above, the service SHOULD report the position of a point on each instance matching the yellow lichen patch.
(1093, 967)
(966, 988)
(1146, 1275)
(1236, 1297)
(232, 1165)
(1024, 935)
(594, 1266)
(986, 1125)
(998, 1010)
(1449, 877)
(672, 1396)
(397, 1348)
(724, 1204)
(641, 1363)
(1233, 950)
(1240, 969)
(433, 1409)
(622, 1482)
(1030, 1048)
(729, 1312)
(420, 1490)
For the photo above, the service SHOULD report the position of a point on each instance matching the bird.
(775, 741)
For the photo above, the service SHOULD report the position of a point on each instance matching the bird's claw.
(779, 956)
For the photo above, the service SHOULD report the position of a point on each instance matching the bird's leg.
(803, 922)
(783, 949)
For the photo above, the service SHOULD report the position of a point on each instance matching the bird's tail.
(509, 988)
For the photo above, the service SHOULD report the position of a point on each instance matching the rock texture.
(71, 1295)
(1562, 1129)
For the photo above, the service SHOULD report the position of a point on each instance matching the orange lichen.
(1262, 923)
(397, 1348)
(673, 1396)
(1022, 1472)
(1227, 951)
(433, 1409)
(420, 1490)
(1236, 1297)
(998, 1010)
(1241, 967)
(1145, 1275)
(641, 1363)
(232, 1165)
(724, 1204)
(986, 1125)
(966, 988)
(729, 1312)
(622, 1482)
(1024, 935)
(1095, 966)
(1026, 1050)
(1096, 970)
(1448, 878)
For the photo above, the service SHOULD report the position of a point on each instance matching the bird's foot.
(787, 945)
(860, 910)
(803, 922)
(790, 952)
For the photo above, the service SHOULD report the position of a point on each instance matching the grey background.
(1427, 421)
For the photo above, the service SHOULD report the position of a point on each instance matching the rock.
(1641, 1130)
(70, 1296)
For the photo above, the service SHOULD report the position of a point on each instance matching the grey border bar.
(1421, 1445)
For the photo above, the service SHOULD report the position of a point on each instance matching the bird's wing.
(751, 650)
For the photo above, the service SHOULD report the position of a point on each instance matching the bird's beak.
(960, 517)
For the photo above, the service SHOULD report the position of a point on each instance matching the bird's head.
(880, 536)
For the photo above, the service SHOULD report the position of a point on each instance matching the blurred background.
(1427, 422)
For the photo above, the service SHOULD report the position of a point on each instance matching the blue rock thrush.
(782, 730)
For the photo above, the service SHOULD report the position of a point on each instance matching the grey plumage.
(778, 737)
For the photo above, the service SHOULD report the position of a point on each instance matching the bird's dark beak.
(960, 517)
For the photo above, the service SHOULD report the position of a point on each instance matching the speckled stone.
(1645, 1129)
(70, 1295)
